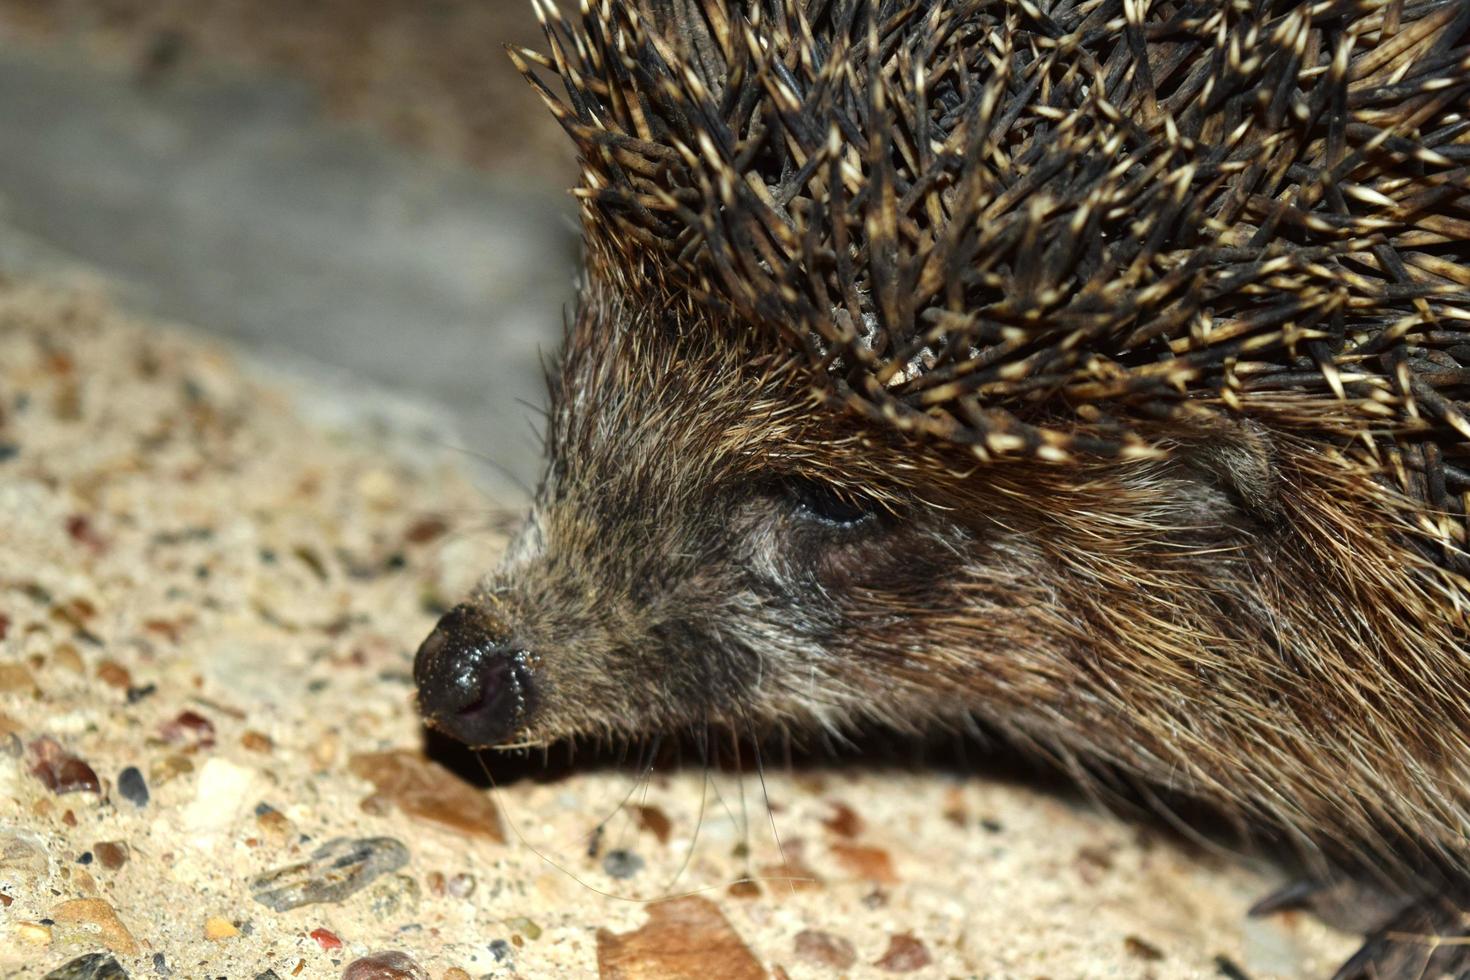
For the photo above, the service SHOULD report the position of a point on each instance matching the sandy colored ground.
(220, 584)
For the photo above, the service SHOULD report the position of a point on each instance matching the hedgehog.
(1097, 369)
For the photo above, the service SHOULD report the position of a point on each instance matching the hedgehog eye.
(820, 502)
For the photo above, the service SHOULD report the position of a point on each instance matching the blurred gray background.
(362, 187)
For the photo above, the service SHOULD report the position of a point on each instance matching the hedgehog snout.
(474, 683)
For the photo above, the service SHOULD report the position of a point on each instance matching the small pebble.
(132, 787)
(217, 928)
(253, 741)
(461, 885)
(93, 966)
(954, 809)
(189, 729)
(394, 895)
(424, 530)
(164, 628)
(872, 863)
(112, 854)
(67, 405)
(33, 933)
(622, 864)
(80, 529)
(906, 953)
(380, 489)
(83, 883)
(500, 949)
(390, 965)
(8, 451)
(326, 939)
(272, 823)
(526, 927)
(99, 921)
(67, 657)
(59, 770)
(114, 674)
(653, 820)
(336, 869)
(312, 560)
(428, 791)
(85, 858)
(160, 965)
(170, 766)
(221, 793)
(1143, 949)
(683, 937)
(324, 752)
(844, 821)
(744, 888)
(1227, 969)
(455, 973)
(824, 948)
(17, 677)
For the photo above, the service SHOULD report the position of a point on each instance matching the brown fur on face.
(1228, 621)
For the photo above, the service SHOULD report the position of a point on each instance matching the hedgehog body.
(1099, 369)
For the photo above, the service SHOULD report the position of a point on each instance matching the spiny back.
(1036, 228)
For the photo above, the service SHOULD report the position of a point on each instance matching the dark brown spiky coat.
(1097, 368)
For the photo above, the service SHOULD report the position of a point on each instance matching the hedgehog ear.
(1238, 457)
(686, 27)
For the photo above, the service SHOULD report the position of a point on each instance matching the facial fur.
(1163, 618)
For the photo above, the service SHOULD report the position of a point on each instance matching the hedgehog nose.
(473, 684)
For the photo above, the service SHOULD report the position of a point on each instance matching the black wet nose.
(473, 684)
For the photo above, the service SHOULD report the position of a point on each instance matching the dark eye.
(821, 502)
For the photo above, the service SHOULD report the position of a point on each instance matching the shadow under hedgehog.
(1094, 367)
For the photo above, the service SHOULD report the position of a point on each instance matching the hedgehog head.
(969, 356)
